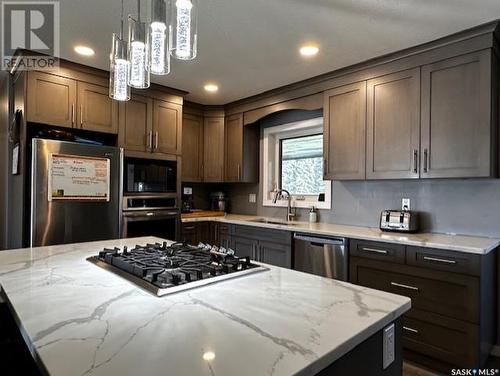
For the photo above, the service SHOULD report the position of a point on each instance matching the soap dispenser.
(313, 215)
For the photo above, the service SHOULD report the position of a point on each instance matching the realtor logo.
(33, 26)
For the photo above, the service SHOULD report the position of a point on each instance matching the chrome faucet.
(279, 195)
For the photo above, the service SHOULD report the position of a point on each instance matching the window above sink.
(293, 160)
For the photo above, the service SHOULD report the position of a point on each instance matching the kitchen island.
(79, 319)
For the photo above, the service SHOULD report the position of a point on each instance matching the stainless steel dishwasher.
(324, 256)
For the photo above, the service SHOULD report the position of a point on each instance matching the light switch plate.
(388, 346)
(252, 198)
(405, 204)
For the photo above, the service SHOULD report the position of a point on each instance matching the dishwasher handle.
(319, 241)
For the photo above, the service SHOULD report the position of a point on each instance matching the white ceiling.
(250, 46)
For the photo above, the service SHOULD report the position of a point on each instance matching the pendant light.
(159, 61)
(119, 66)
(138, 51)
(183, 29)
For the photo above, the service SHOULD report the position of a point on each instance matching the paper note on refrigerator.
(78, 178)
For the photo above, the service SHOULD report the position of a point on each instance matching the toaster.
(399, 220)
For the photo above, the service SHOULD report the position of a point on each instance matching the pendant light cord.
(139, 10)
(121, 23)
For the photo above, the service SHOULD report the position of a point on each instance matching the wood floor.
(412, 369)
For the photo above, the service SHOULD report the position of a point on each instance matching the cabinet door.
(456, 117)
(51, 99)
(135, 124)
(244, 247)
(213, 150)
(167, 127)
(192, 148)
(234, 147)
(97, 111)
(188, 233)
(344, 132)
(203, 233)
(393, 126)
(275, 254)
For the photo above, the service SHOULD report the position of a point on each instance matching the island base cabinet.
(367, 358)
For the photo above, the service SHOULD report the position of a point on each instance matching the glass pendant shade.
(159, 61)
(119, 70)
(183, 29)
(138, 54)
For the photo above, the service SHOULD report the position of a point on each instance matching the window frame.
(272, 137)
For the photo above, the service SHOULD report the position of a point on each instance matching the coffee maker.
(187, 200)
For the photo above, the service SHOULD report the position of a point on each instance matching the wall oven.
(150, 215)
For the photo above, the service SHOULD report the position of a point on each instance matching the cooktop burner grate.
(164, 269)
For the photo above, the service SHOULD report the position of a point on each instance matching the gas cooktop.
(164, 269)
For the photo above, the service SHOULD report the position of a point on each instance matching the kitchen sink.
(272, 222)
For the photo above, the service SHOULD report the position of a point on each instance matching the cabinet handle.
(188, 228)
(239, 172)
(325, 167)
(408, 329)
(415, 161)
(73, 114)
(444, 261)
(404, 286)
(426, 156)
(156, 140)
(373, 250)
(81, 115)
(149, 142)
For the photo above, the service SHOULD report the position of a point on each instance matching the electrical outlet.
(388, 346)
(187, 191)
(405, 204)
(252, 198)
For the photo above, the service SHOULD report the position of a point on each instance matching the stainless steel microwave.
(149, 176)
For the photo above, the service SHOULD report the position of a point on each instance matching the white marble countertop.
(83, 320)
(459, 243)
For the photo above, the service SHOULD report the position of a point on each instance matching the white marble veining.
(83, 320)
(459, 243)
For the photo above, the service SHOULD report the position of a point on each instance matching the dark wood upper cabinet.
(213, 149)
(167, 120)
(192, 148)
(242, 151)
(136, 124)
(51, 99)
(344, 131)
(393, 126)
(457, 123)
(234, 147)
(97, 111)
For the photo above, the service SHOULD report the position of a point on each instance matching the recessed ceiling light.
(309, 50)
(84, 50)
(211, 88)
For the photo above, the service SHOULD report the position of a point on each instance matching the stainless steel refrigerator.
(75, 192)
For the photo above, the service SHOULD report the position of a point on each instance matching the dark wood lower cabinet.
(452, 322)
(275, 254)
(196, 232)
(272, 247)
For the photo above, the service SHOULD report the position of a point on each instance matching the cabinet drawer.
(224, 228)
(438, 259)
(448, 340)
(448, 294)
(378, 250)
(259, 233)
